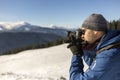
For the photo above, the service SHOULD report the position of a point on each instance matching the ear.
(95, 32)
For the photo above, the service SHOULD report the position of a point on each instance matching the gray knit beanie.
(96, 22)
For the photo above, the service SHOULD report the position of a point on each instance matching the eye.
(83, 31)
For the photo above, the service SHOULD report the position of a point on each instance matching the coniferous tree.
(118, 24)
(114, 25)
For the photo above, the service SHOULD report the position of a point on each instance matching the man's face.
(89, 35)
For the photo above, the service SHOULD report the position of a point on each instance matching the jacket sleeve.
(95, 71)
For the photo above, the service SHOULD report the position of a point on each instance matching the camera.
(74, 38)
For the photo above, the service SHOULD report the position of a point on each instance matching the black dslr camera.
(74, 38)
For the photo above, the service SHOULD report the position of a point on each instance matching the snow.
(11, 25)
(38, 64)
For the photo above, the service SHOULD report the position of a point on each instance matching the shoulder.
(111, 37)
(109, 53)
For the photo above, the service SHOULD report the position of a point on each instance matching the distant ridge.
(21, 34)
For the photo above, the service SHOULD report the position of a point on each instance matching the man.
(102, 54)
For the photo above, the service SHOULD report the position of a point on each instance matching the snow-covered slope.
(39, 64)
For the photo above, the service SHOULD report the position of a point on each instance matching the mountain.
(11, 25)
(40, 64)
(21, 34)
(15, 40)
(27, 27)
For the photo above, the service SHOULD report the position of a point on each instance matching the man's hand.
(75, 47)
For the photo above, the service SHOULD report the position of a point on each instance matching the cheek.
(89, 37)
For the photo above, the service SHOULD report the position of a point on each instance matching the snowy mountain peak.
(14, 23)
(11, 25)
(26, 27)
(55, 26)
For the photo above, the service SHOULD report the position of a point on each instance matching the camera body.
(74, 38)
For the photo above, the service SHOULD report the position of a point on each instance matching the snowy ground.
(39, 64)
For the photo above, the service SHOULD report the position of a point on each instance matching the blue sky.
(66, 13)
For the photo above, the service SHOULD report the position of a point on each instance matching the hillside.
(39, 64)
(14, 40)
(17, 35)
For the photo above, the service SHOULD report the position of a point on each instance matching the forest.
(114, 25)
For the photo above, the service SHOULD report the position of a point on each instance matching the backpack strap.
(113, 45)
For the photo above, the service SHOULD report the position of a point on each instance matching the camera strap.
(113, 45)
